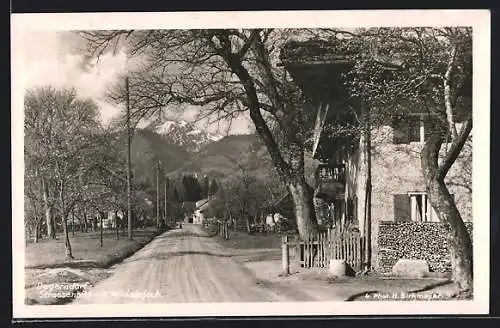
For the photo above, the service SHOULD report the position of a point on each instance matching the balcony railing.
(330, 180)
(331, 173)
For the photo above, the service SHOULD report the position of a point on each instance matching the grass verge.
(87, 250)
(243, 240)
(51, 278)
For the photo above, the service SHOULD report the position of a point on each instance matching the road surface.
(184, 265)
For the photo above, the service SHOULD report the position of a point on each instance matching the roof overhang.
(319, 80)
(318, 66)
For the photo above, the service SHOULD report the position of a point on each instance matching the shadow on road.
(176, 235)
(181, 233)
(169, 255)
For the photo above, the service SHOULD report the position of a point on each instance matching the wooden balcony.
(330, 179)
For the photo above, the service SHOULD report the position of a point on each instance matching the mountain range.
(183, 148)
(184, 134)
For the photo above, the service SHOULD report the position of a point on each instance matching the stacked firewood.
(414, 240)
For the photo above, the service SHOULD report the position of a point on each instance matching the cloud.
(50, 58)
(48, 61)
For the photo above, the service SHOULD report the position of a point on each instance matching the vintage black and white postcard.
(250, 163)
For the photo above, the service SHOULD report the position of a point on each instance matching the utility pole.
(368, 192)
(158, 195)
(129, 164)
(165, 200)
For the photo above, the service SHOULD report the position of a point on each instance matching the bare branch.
(248, 43)
(456, 147)
(447, 93)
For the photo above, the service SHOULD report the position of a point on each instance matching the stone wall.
(396, 170)
(414, 240)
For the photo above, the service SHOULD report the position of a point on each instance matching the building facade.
(391, 164)
(201, 207)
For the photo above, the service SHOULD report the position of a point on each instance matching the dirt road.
(185, 265)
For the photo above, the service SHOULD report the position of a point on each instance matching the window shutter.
(402, 208)
(400, 132)
(414, 129)
(350, 210)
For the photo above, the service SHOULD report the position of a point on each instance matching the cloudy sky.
(56, 58)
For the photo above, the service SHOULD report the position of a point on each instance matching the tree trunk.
(230, 216)
(64, 218)
(459, 241)
(85, 221)
(67, 243)
(101, 228)
(302, 196)
(125, 220)
(73, 223)
(29, 230)
(51, 229)
(37, 230)
(30, 233)
(292, 173)
(247, 222)
(81, 226)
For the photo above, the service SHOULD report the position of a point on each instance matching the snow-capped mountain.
(185, 134)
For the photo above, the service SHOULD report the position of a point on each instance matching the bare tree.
(60, 137)
(226, 72)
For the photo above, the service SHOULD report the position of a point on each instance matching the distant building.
(201, 207)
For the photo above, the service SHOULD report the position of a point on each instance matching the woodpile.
(415, 240)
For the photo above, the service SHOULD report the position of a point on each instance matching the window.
(421, 209)
(416, 129)
(414, 206)
(413, 128)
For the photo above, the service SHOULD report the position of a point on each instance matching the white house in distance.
(201, 206)
(110, 221)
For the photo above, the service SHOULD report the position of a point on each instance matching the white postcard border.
(478, 19)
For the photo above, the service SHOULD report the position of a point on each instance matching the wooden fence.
(317, 250)
(223, 229)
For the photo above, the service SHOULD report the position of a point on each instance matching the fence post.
(285, 256)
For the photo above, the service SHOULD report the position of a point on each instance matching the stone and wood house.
(399, 219)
